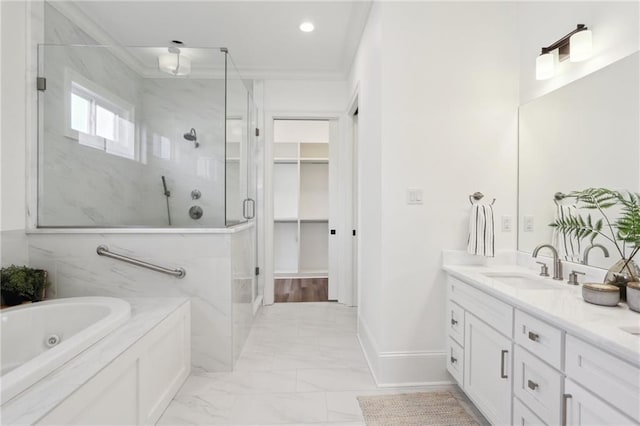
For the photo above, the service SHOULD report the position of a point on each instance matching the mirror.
(585, 134)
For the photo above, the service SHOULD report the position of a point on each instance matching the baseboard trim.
(403, 368)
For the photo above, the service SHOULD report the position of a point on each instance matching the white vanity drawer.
(497, 314)
(616, 381)
(538, 386)
(540, 338)
(522, 416)
(455, 360)
(455, 322)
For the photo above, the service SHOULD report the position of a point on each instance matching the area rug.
(413, 409)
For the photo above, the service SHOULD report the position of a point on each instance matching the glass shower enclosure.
(160, 138)
(144, 137)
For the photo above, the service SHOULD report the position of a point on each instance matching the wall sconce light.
(576, 46)
(174, 62)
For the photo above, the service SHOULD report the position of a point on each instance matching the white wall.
(304, 96)
(13, 135)
(365, 81)
(438, 111)
(616, 34)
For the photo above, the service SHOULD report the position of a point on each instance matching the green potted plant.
(21, 284)
(623, 232)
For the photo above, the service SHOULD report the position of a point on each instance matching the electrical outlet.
(527, 224)
(414, 196)
(506, 223)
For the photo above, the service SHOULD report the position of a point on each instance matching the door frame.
(336, 216)
(351, 202)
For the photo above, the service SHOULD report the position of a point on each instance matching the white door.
(487, 370)
(584, 409)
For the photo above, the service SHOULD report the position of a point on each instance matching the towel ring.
(478, 196)
(558, 196)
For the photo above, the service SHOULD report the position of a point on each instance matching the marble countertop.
(563, 307)
(39, 399)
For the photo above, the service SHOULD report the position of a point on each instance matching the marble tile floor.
(302, 364)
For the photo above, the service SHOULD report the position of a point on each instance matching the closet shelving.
(301, 198)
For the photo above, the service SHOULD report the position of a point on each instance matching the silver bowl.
(601, 294)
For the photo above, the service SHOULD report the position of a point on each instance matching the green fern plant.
(625, 230)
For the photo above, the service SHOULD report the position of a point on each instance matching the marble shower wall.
(80, 185)
(243, 251)
(13, 248)
(170, 108)
(84, 186)
(221, 314)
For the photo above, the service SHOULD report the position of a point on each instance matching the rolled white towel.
(481, 231)
(568, 246)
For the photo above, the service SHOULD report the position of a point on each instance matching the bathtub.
(38, 338)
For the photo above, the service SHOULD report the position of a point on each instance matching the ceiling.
(262, 36)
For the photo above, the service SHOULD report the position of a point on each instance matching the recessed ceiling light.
(306, 27)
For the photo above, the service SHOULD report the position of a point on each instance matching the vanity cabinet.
(522, 370)
(585, 409)
(479, 329)
(487, 372)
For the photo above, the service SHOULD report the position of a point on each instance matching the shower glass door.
(125, 140)
(236, 147)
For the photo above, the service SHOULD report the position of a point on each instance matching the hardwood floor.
(301, 290)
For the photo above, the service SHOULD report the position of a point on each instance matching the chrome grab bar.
(103, 250)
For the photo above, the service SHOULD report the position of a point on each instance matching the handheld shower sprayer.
(192, 137)
(167, 194)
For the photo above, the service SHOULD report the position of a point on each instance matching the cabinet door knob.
(454, 360)
(533, 336)
(532, 385)
(454, 321)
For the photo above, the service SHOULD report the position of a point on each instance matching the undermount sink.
(634, 329)
(523, 281)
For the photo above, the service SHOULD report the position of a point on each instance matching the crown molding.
(101, 37)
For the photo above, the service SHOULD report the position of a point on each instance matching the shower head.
(192, 137)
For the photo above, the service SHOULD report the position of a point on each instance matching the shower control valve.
(195, 212)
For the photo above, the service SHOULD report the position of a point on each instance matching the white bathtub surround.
(214, 281)
(302, 364)
(138, 367)
(38, 338)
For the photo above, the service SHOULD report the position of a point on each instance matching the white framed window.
(96, 118)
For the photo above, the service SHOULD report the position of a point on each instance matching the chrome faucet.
(557, 264)
(585, 258)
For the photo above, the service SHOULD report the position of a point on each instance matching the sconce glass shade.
(545, 66)
(581, 44)
(174, 64)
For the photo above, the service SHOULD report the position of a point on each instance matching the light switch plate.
(414, 196)
(506, 223)
(527, 224)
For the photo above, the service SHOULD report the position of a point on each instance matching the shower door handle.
(253, 208)
(245, 204)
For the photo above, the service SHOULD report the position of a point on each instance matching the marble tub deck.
(302, 364)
